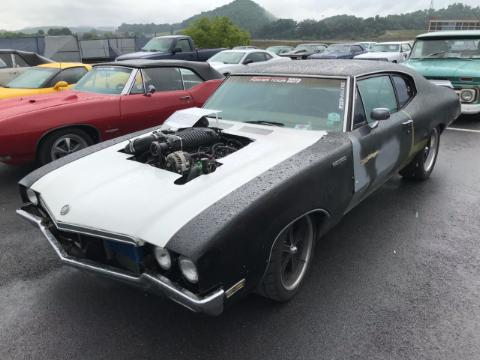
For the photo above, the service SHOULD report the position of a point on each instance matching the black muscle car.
(230, 199)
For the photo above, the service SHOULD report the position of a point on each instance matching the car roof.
(336, 68)
(201, 68)
(29, 56)
(245, 51)
(392, 42)
(450, 34)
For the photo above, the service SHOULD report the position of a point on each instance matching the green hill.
(245, 13)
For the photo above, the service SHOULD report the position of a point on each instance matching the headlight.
(189, 270)
(163, 258)
(32, 197)
(467, 95)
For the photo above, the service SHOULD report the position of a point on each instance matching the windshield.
(158, 44)
(468, 48)
(227, 57)
(386, 48)
(104, 80)
(300, 103)
(34, 78)
(337, 48)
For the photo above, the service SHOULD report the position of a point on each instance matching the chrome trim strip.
(212, 304)
(130, 82)
(88, 231)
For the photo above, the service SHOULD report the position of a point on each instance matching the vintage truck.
(178, 47)
(451, 59)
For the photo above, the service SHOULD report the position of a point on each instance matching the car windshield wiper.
(265, 122)
(433, 54)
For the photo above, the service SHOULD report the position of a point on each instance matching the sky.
(17, 14)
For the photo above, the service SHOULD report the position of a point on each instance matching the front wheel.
(290, 260)
(421, 167)
(61, 143)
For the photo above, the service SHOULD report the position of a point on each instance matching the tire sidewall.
(44, 149)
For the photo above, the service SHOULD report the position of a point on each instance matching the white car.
(396, 52)
(231, 60)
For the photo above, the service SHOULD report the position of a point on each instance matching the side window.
(356, 49)
(184, 45)
(405, 48)
(164, 79)
(2, 64)
(19, 62)
(7, 60)
(71, 75)
(405, 90)
(190, 79)
(359, 117)
(268, 56)
(377, 92)
(137, 87)
(256, 57)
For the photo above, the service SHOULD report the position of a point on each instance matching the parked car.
(244, 47)
(218, 203)
(279, 50)
(367, 45)
(303, 51)
(14, 62)
(111, 100)
(396, 52)
(451, 59)
(179, 47)
(340, 51)
(44, 79)
(231, 60)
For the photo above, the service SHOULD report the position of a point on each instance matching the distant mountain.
(245, 13)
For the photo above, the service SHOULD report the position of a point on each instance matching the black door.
(379, 147)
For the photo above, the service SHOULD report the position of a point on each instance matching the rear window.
(295, 102)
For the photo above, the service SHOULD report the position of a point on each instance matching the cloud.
(17, 14)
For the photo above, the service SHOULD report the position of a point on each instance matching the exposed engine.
(189, 152)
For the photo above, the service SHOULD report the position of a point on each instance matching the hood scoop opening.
(189, 152)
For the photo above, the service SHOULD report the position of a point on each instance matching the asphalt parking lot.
(398, 278)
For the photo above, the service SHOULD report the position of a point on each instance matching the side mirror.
(59, 85)
(249, 61)
(380, 114)
(177, 50)
(150, 90)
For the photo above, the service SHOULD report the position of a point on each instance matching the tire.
(421, 167)
(61, 143)
(290, 260)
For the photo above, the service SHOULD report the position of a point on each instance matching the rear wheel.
(421, 167)
(290, 260)
(61, 143)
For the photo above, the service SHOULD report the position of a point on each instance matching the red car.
(111, 100)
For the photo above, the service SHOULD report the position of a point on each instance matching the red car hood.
(23, 105)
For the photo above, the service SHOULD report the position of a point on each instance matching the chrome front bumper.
(210, 305)
(470, 109)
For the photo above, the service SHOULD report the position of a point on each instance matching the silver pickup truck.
(13, 62)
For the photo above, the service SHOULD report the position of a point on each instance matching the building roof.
(450, 34)
(201, 68)
(341, 68)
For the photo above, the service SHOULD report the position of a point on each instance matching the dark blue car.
(340, 51)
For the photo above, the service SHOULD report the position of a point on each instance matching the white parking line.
(465, 130)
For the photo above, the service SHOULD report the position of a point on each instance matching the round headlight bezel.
(470, 93)
(189, 270)
(32, 196)
(163, 258)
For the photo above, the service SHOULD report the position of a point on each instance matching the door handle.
(186, 98)
(407, 123)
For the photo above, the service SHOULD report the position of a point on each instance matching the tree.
(217, 32)
(59, 31)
